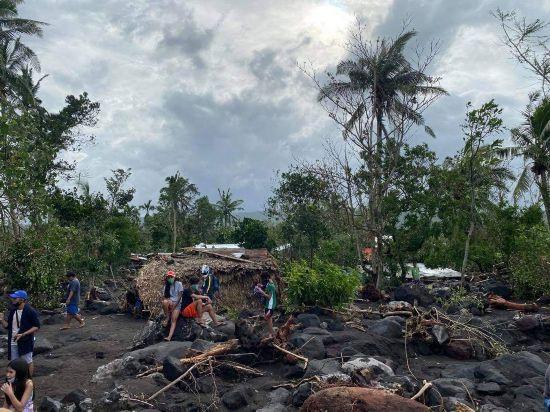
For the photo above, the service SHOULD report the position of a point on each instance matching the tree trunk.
(174, 230)
(466, 251)
(544, 188)
(378, 264)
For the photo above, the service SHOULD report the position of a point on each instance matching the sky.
(213, 89)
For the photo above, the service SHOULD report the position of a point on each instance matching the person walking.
(22, 324)
(18, 389)
(72, 302)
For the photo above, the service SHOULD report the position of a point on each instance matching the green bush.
(321, 284)
(530, 263)
(37, 262)
(440, 252)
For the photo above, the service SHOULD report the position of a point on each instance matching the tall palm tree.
(12, 26)
(16, 63)
(532, 142)
(148, 207)
(177, 197)
(227, 206)
(378, 91)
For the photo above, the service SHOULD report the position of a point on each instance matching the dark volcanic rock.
(235, 398)
(489, 388)
(487, 372)
(149, 334)
(301, 394)
(461, 350)
(444, 387)
(42, 345)
(172, 368)
(293, 371)
(440, 334)
(498, 288)
(307, 319)
(75, 397)
(412, 294)
(50, 405)
(387, 327)
(311, 347)
(335, 325)
(248, 337)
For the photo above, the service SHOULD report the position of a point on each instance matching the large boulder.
(172, 368)
(487, 372)
(42, 345)
(339, 399)
(149, 334)
(316, 367)
(374, 366)
(519, 366)
(307, 319)
(301, 393)
(236, 398)
(49, 405)
(312, 347)
(449, 387)
(76, 396)
(413, 293)
(387, 327)
(497, 287)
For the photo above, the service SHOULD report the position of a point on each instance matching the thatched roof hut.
(236, 274)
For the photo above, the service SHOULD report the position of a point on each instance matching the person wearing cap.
(171, 304)
(22, 324)
(73, 299)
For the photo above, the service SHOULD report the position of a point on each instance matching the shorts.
(190, 311)
(72, 309)
(15, 354)
(546, 404)
(268, 313)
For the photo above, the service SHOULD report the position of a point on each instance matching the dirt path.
(79, 352)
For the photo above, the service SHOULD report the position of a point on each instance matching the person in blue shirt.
(22, 324)
(73, 300)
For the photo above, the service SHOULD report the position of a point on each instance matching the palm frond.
(524, 182)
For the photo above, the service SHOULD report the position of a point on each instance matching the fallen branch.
(356, 326)
(306, 360)
(216, 350)
(181, 377)
(241, 368)
(397, 313)
(139, 401)
(424, 388)
(291, 385)
(499, 302)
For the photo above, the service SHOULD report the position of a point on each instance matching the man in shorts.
(22, 323)
(72, 301)
(194, 305)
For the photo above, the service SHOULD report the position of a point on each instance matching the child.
(270, 294)
(18, 390)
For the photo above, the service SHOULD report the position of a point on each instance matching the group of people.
(22, 323)
(198, 297)
(191, 301)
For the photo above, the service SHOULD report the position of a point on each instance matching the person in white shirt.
(171, 303)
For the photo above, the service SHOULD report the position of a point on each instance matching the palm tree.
(148, 207)
(532, 142)
(379, 93)
(12, 26)
(16, 63)
(226, 206)
(177, 197)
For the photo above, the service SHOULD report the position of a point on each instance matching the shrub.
(321, 284)
(37, 262)
(530, 263)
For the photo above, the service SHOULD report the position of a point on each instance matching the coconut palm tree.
(227, 206)
(16, 63)
(12, 26)
(148, 207)
(378, 93)
(177, 197)
(532, 142)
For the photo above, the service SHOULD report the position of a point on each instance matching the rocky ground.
(351, 356)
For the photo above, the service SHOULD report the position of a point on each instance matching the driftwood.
(181, 377)
(424, 388)
(291, 354)
(216, 350)
(498, 302)
(398, 313)
(290, 385)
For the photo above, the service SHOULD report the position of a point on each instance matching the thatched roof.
(236, 274)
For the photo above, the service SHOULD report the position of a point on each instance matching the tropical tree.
(227, 206)
(148, 207)
(177, 197)
(16, 61)
(480, 163)
(376, 97)
(532, 142)
(12, 26)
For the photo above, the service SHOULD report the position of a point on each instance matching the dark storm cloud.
(211, 88)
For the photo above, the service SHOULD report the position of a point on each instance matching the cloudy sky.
(212, 88)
